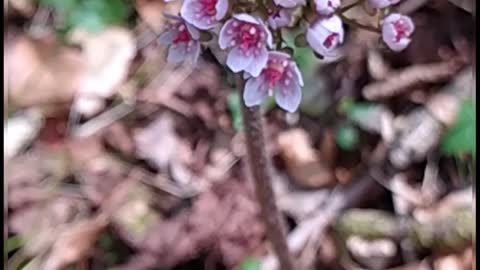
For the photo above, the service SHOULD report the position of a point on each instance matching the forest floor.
(115, 159)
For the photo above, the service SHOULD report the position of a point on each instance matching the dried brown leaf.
(118, 136)
(449, 262)
(75, 243)
(302, 161)
(158, 141)
(20, 130)
(133, 214)
(24, 7)
(228, 206)
(41, 72)
(107, 55)
(151, 12)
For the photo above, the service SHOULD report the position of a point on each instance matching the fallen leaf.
(108, 55)
(158, 141)
(135, 215)
(24, 7)
(151, 12)
(456, 261)
(302, 161)
(118, 136)
(41, 72)
(20, 130)
(75, 243)
(49, 217)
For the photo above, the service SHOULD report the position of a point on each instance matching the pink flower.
(282, 76)
(248, 38)
(325, 35)
(326, 7)
(182, 39)
(396, 31)
(289, 3)
(382, 3)
(204, 14)
(279, 18)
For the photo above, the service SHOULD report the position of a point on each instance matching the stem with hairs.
(260, 169)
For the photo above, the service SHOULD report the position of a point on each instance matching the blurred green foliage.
(13, 243)
(358, 112)
(235, 107)
(315, 91)
(347, 137)
(461, 138)
(250, 264)
(89, 15)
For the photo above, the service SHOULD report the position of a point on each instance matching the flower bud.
(396, 31)
(204, 14)
(325, 35)
(326, 7)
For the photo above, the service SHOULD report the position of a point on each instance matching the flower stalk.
(260, 169)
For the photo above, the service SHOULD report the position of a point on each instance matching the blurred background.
(115, 159)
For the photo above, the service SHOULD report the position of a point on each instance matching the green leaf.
(94, 15)
(250, 264)
(13, 243)
(235, 107)
(315, 96)
(365, 115)
(358, 112)
(347, 137)
(63, 6)
(303, 56)
(90, 15)
(461, 138)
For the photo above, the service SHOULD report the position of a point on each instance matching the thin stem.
(278, 39)
(359, 25)
(346, 8)
(260, 168)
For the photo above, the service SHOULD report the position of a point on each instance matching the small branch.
(314, 228)
(398, 82)
(347, 8)
(260, 169)
(450, 232)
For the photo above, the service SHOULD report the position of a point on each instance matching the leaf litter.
(104, 137)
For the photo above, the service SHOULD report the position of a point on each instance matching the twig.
(399, 82)
(450, 232)
(103, 120)
(347, 8)
(323, 218)
(261, 173)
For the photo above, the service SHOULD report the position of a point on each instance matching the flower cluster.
(251, 38)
